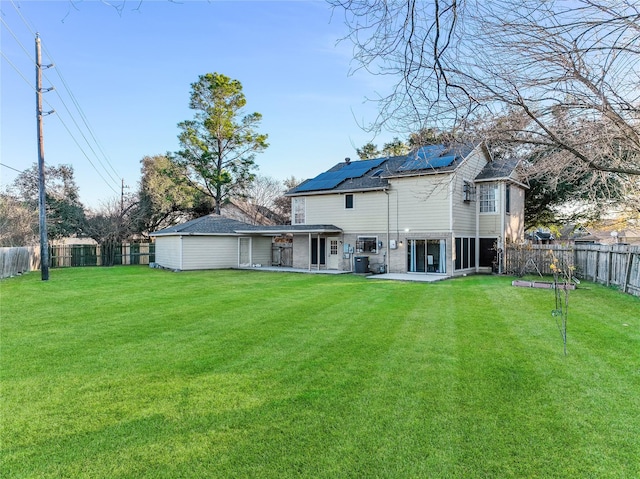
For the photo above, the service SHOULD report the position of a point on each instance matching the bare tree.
(555, 82)
(18, 222)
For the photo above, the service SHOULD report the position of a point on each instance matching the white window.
(488, 198)
(348, 201)
(334, 247)
(298, 207)
(367, 244)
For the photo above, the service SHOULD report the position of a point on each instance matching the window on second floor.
(348, 201)
(298, 209)
(507, 200)
(488, 198)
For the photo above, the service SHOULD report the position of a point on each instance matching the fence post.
(627, 275)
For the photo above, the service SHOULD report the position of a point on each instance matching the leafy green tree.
(395, 147)
(368, 151)
(65, 213)
(219, 145)
(163, 202)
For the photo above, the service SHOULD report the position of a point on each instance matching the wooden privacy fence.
(282, 254)
(18, 260)
(611, 265)
(61, 256)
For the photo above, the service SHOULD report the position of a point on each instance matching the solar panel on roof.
(413, 164)
(331, 179)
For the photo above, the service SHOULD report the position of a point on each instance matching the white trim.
(358, 238)
(295, 200)
(353, 201)
(242, 265)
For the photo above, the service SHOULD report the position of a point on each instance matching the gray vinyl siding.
(209, 252)
(490, 223)
(465, 213)
(515, 220)
(168, 251)
(420, 204)
(368, 212)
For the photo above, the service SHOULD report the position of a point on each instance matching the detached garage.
(211, 242)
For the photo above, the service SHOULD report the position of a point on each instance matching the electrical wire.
(84, 120)
(71, 115)
(18, 41)
(11, 167)
(86, 156)
(28, 82)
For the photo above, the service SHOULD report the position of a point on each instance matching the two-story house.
(443, 210)
(439, 210)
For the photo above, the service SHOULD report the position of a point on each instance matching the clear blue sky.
(130, 74)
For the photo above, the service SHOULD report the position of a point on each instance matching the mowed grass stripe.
(145, 373)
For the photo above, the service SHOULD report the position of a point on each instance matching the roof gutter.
(334, 191)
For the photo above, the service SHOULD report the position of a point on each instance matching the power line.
(10, 167)
(86, 123)
(71, 115)
(24, 20)
(18, 41)
(86, 156)
(83, 136)
(18, 71)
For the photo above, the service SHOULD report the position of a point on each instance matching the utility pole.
(44, 243)
(122, 197)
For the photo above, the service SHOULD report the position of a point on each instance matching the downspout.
(309, 250)
(477, 246)
(453, 242)
(388, 259)
(503, 198)
(181, 254)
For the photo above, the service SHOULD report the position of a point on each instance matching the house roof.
(498, 170)
(373, 174)
(210, 224)
(219, 225)
(287, 229)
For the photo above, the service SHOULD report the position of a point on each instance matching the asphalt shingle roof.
(498, 169)
(377, 177)
(219, 225)
(210, 224)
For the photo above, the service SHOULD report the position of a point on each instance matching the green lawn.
(129, 372)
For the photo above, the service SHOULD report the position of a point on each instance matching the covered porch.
(315, 247)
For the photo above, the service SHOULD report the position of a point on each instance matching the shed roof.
(209, 224)
(219, 225)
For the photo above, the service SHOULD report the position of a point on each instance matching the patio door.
(426, 256)
(315, 250)
(417, 256)
(244, 252)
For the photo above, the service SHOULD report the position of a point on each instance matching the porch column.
(309, 250)
(318, 252)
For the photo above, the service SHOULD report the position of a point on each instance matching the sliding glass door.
(426, 256)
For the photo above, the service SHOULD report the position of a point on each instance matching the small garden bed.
(542, 284)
